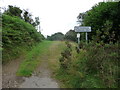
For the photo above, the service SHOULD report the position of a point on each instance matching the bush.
(94, 66)
(17, 33)
(65, 60)
(100, 60)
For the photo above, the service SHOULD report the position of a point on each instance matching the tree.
(28, 17)
(80, 18)
(36, 23)
(57, 36)
(71, 35)
(13, 11)
(23, 14)
(105, 21)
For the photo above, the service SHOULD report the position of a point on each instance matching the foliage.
(70, 35)
(95, 66)
(32, 60)
(27, 17)
(65, 60)
(37, 22)
(104, 20)
(13, 11)
(57, 36)
(101, 60)
(17, 33)
(23, 14)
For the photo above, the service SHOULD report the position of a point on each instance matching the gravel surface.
(41, 78)
(9, 78)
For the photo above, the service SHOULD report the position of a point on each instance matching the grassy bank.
(17, 37)
(32, 60)
(94, 66)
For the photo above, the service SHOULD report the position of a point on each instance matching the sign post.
(79, 29)
(86, 37)
(78, 36)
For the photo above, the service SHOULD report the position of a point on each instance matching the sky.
(55, 15)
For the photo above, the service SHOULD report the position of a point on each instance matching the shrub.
(65, 60)
(95, 66)
(102, 60)
(17, 33)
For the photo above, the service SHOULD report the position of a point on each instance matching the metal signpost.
(78, 36)
(79, 29)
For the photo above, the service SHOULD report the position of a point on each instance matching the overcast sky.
(55, 15)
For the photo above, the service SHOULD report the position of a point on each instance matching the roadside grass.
(32, 60)
(85, 70)
(75, 76)
(55, 52)
(54, 64)
(67, 76)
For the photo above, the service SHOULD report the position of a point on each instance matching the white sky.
(55, 15)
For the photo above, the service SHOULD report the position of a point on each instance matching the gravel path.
(9, 78)
(41, 78)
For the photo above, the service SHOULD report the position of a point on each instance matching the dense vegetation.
(22, 14)
(71, 36)
(17, 35)
(57, 36)
(94, 64)
(105, 21)
(88, 65)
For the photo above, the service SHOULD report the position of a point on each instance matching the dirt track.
(41, 78)
(9, 78)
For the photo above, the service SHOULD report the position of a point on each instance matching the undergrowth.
(94, 65)
(17, 35)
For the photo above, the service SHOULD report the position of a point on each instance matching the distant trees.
(56, 36)
(104, 18)
(71, 35)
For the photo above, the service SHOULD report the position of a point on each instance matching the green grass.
(85, 71)
(56, 49)
(32, 60)
(17, 36)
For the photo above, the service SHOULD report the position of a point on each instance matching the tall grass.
(95, 66)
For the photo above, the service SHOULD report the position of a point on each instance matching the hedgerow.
(16, 33)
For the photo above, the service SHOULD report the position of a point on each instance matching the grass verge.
(55, 52)
(95, 66)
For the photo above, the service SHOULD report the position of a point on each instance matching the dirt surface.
(42, 76)
(9, 78)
